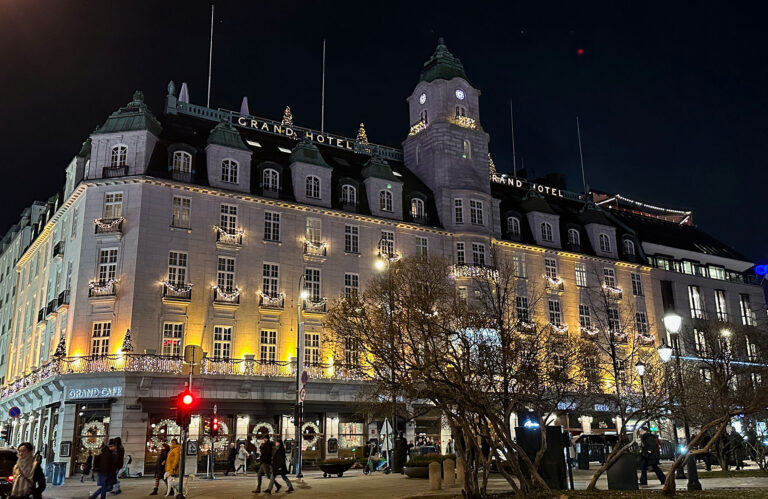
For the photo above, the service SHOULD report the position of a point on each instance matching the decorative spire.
(127, 345)
(287, 117)
(61, 348)
(171, 88)
(184, 94)
(442, 65)
(244, 107)
(491, 166)
(362, 137)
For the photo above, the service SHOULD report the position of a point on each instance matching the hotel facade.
(201, 227)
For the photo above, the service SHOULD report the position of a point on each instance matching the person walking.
(87, 465)
(28, 478)
(172, 462)
(278, 468)
(649, 456)
(241, 460)
(265, 462)
(160, 467)
(116, 446)
(231, 459)
(104, 467)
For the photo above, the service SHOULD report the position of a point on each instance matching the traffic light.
(215, 426)
(185, 403)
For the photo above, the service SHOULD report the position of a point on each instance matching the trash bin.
(583, 457)
(55, 473)
(623, 474)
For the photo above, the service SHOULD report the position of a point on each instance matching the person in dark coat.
(104, 467)
(160, 467)
(278, 468)
(28, 478)
(116, 446)
(265, 462)
(649, 456)
(231, 458)
(87, 466)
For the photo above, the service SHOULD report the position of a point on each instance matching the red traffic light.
(187, 399)
(215, 423)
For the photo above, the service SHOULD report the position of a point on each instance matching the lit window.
(385, 201)
(348, 194)
(546, 232)
(721, 308)
(387, 243)
(518, 265)
(271, 180)
(312, 187)
(173, 334)
(312, 284)
(467, 150)
(268, 346)
(605, 243)
(747, 318)
(550, 268)
(513, 226)
(574, 239)
(637, 285)
(180, 212)
(555, 314)
(222, 342)
(311, 349)
(417, 208)
(100, 338)
(694, 300)
(314, 231)
(581, 275)
(629, 248)
(182, 162)
(113, 205)
(118, 156)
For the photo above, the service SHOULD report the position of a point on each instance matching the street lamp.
(673, 323)
(383, 261)
(303, 294)
(640, 368)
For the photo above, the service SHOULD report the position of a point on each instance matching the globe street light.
(640, 368)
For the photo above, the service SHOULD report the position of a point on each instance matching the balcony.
(475, 271)
(50, 310)
(612, 292)
(181, 176)
(558, 328)
(589, 333)
(58, 250)
(271, 304)
(554, 284)
(173, 292)
(526, 327)
(619, 336)
(645, 339)
(270, 192)
(41, 315)
(102, 288)
(228, 238)
(114, 171)
(314, 306)
(109, 226)
(226, 297)
(315, 251)
(62, 301)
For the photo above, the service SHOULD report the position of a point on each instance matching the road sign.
(387, 439)
(304, 377)
(14, 412)
(302, 394)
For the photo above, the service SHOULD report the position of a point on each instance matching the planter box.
(337, 469)
(417, 471)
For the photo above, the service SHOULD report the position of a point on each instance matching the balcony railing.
(181, 176)
(317, 306)
(612, 292)
(62, 299)
(102, 288)
(109, 225)
(175, 291)
(58, 250)
(276, 302)
(114, 171)
(41, 315)
(226, 295)
(229, 236)
(554, 284)
(163, 364)
(315, 249)
(51, 308)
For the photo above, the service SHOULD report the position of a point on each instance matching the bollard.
(460, 471)
(434, 475)
(448, 472)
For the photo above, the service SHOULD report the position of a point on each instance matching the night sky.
(671, 95)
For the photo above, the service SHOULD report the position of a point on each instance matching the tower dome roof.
(442, 65)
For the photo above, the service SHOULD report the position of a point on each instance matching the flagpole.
(322, 103)
(512, 117)
(210, 61)
(581, 158)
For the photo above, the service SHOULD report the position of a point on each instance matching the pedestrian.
(265, 462)
(649, 456)
(172, 462)
(104, 467)
(116, 446)
(87, 465)
(231, 459)
(28, 478)
(408, 448)
(160, 466)
(241, 460)
(449, 446)
(278, 468)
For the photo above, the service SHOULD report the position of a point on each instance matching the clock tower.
(447, 147)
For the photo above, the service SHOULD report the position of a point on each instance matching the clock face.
(460, 94)
(422, 98)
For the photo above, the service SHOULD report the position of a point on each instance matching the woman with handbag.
(28, 478)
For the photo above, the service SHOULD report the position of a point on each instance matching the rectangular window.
(387, 244)
(581, 275)
(177, 267)
(641, 323)
(614, 321)
(268, 347)
(523, 313)
(550, 268)
(699, 341)
(694, 300)
(751, 350)
(609, 277)
(458, 211)
(352, 351)
(74, 222)
(113, 205)
(351, 239)
(687, 267)
(351, 285)
(460, 254)
(637, 285)
(271, 226)
(173, 334)
(270, 279)
(478, 254)
(721, 307)
(462, 294)
(180, 212)
(717, 272)
(311, 349)
(746, 311)
(225, 274)
(421, 246)
(585, 320)
(314, 232)
(100, 338)
(107, 264)
(555, 314)
(222, 342)
(518, 265)
(228, 218)
(475, 212)
(312, 284)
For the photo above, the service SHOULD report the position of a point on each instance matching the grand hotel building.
(194, 227)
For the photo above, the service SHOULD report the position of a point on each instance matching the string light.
(105, 287)
(287, 117)
(613, 291)
(232, 236)
(463, 121)
(559, 328)
(272, 301)
(645, 339)
(474, 272)
(180, 288)
(227, 295)
(108, 224)
(417, 127)
(554, 282)
(589, 331)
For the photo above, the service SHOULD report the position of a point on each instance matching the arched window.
(546, 232)
(460, 111)
(417, 208)
(313, 187)
(605, 243)
(348, 194)
(467, 152)
(182, 162)
(424, 116)
(574, 238)
(119, 156)
(629, 247)
(229, 171)
(271, 180)
(385, 201)
(513, 226)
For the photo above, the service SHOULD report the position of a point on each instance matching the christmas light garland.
(263, 424)
(589, 331)
(287, 117)
(229, 236)
(315, 246)
(85, 434)
(362, 136)
(463, 121)
(269, 300)
(107, 224)
(553, 282)
(417, 127)
(171, 428)
(181, 288)
(227, 296)
(315, 304)
(559, 328)
(100, 286)
(645, 339)
(474, 271)
(612, 290)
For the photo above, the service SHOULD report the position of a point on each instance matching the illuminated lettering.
(264, 126)
(242, 121)
(277, 129)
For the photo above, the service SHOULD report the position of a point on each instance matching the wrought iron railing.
(164, 364)
(315, 248)
(268, 301)
(102, 288)
(231, 295)
(175, 291)
(114, 171)
(315, 306)
(63, 298)
(58, 250)
(109, 225)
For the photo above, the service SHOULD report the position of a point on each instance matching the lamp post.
(385, 259)
(640, 368)
(299, 415)
(673, 323)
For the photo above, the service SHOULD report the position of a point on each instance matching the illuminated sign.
(95, 392)
(294, 132)
(761, 270)
(520, 184)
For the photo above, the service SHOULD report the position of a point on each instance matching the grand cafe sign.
(294, 132)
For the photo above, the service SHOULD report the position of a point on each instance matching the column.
(586, 424)
(66, 433)
(445, 434)
(513, 423)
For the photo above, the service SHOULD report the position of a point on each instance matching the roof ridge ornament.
(184, 94)
(244, 110)
(442, 65)
(171, 88)
(287, 117)
(362, 136)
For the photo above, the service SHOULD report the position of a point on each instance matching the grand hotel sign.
(524, 184)
(294, 132)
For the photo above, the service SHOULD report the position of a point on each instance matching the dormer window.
(461, 111)
(546, 232)
(119, 156)
(271, 180)
(467, 150)
(605, 243)
(513, 226)
(574, 238)
(229, 171)
(313, 187)
(629, 248)
(385, 201)
(182, 162)
(417, 208)
(348, 194)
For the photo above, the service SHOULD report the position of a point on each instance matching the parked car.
(8, 459)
